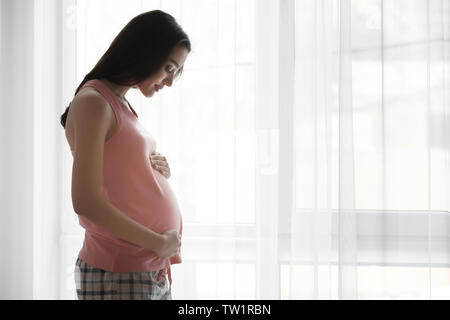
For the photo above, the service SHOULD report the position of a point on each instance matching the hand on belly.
(159, 162)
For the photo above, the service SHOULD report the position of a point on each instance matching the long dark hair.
(138, 51)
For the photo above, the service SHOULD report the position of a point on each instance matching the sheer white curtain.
(301, 144)
(307, 142)
(371, 125)
(36, 80)
(16, 155)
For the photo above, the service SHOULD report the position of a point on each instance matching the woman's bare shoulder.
(90, 96)
(87, 104)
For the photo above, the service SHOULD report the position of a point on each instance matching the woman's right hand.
(171, 242)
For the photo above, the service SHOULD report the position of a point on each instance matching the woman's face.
(166, 74)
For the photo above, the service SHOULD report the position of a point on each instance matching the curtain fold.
(36, 77)
(16, 145)
(371, 154)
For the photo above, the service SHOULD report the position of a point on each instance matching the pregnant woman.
(120, 191)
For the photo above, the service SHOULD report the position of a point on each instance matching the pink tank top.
(132, 185)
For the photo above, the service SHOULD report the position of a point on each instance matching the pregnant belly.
(151, 202)
(158, 208)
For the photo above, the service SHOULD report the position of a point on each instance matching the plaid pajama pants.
(96, 284)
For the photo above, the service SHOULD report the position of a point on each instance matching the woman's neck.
(117, 89)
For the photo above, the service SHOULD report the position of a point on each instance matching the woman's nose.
(168, 81)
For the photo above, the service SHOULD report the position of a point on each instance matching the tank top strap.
(134, 112)
(113, 100)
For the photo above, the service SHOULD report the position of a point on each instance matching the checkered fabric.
(96, 284)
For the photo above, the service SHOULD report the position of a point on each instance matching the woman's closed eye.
(168, 69)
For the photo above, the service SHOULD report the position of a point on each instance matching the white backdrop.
(307, 142)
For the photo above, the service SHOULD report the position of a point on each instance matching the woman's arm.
(105, 215)
(92, 118)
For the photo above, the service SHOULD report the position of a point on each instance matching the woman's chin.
(148, 94)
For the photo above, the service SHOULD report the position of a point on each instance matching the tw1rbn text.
(226, 309)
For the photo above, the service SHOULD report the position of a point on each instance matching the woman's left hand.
(159, 162)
